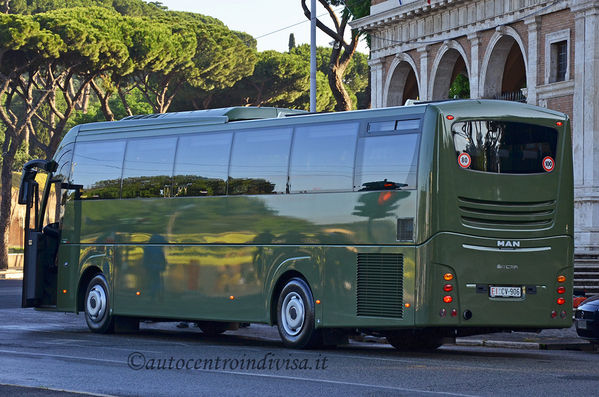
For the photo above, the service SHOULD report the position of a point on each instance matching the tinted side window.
(202, 164)
(323, 158)
(387, 162)
(97, 167)
(259, 162)
(148, 167)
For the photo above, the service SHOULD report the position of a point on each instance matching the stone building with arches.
(543, 52)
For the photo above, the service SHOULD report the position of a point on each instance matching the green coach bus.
(418, 223)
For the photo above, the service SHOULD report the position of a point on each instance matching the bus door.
(41, 242)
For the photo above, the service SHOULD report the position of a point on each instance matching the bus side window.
(322, 158)
(387, 162)
(259, 162)
(148, 167)
(201, 165)
(97, 167)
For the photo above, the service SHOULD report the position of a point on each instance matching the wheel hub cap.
(293, 314)
(96, 303)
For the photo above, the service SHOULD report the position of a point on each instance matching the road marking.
(339, 382)
(271, 376)
(44, 388)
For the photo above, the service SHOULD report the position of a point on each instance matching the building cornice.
(413, 25)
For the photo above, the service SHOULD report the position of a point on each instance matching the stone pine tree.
(343, 50)
(25, 52)
(219, 58)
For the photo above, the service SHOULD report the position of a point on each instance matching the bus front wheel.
(295, 315)
(97, 306)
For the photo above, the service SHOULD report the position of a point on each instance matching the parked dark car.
(587, 319)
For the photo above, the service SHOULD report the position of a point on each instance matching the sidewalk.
(549, 339)
(11, 274)
(15, 267)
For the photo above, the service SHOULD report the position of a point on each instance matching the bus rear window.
(504, 147)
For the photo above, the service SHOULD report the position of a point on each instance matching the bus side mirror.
(28, 178)
(26, 188)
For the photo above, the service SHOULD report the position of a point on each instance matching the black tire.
(295, 315)
(212, 328)
(414, 341)
(97, 306)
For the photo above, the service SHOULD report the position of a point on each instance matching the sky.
(269, 21)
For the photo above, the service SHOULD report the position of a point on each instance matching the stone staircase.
(586, 273)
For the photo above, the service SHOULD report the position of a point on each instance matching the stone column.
(585, 125)
(376, 82)
(532, 59)
(474, 65)
(423, 52)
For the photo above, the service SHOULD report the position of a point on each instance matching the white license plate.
(581, 324)
(505, 292)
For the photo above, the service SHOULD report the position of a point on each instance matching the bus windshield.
(504, 147)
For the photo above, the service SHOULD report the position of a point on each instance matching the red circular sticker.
(548, 164)
(464, 160)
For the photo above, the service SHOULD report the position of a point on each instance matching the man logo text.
(508, 244)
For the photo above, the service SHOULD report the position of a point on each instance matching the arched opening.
(451, 77)
(403, 85)
(505, 76)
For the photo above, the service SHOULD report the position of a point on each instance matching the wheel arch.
(274, 296)
(88, 274)
(299, 265)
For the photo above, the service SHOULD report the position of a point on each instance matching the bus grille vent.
(380, 285)
(514, 216)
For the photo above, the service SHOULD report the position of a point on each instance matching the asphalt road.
(53, 354)
(10, 293)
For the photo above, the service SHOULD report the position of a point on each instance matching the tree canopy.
(64, 62)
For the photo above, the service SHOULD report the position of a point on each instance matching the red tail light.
(448, 288)
(561, 290)
(447, 299)
(561, 301)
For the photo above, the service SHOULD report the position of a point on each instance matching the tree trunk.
(342, 99)
(6, 204)
(104, 99)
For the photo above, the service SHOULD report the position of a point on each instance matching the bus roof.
(182, 122)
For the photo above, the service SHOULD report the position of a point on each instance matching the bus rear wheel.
(295, 315)
(415, 341)
(97, 306)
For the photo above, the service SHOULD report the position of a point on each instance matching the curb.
(11, 275)
(503, 344)
(498, 343)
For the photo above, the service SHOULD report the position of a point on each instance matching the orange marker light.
(448, 277)
(138, 293)
(64, 291)
(231, 297)
(447, 299)
(561, 279)
(407, 305)
(318, 301)
(450, 117)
